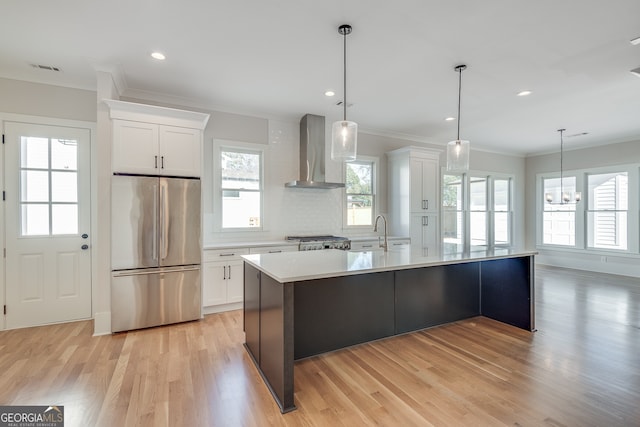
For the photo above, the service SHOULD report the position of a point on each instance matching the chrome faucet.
(375, 228)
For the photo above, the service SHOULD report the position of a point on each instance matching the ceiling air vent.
(45, 67)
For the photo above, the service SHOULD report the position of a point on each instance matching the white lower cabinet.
(223, 276)
(222, 279)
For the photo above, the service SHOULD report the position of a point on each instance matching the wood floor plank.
(581, 368)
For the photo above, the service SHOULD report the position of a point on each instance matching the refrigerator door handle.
(164, 221)
(154, 235)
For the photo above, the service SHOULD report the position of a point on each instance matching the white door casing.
(47, 213)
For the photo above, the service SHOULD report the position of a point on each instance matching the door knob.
(84, 247)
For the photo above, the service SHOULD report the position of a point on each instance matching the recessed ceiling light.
(450, 119)
(635, 41)
(158, 55)
(524, 93)
(329, 93)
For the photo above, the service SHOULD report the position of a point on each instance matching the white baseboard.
(220, 308)
(102, 323)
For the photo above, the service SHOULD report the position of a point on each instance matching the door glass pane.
(34, 153)
(64, 154)
(64, 187)
(64, 219)
(34, 186)
(35, 220)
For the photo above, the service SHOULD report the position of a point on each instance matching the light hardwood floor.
(581, 368)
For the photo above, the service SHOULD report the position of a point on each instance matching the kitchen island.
(300, 304)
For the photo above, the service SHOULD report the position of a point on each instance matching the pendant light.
(458, 150)
(344, 134)
(565, 196)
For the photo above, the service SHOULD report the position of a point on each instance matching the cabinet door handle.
(162, 162)
(275, 252)
(425, 221)
(228, 254)
(426, 203)
(155, 162)
(229, 277)
(367, 246)
(224, 274)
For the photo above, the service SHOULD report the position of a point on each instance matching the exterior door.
(47, 214)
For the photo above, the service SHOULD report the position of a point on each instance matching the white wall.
(593, 157)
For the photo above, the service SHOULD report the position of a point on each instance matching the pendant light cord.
(459, 97)
(344, 76)
(561, 155)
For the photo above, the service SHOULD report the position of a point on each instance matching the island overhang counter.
(300, 304)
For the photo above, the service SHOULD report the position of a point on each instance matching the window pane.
(34, 153)
(478, 193)
(64, 219)
(452, 226)
(478, 228)
(64, 154)
(64, 187)
(452, 192)
(608, 191)
(359, 178)
(608, 230)
(241, 211)
(35, 220)
(501, 227)
(501, 195)
(554, 188)
(359, 210)
(240, 170)
(34, 186)
(559, 228)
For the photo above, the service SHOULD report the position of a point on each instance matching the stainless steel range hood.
(312, 146)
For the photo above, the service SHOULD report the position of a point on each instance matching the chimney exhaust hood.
(312, 146)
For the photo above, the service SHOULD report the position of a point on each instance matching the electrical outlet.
(603, 259)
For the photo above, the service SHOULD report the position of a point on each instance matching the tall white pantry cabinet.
(414, 197)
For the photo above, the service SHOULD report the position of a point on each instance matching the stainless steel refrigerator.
(155, 251)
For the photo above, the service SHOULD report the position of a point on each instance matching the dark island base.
(284, 322)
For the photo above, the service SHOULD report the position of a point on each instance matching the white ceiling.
(276, 58)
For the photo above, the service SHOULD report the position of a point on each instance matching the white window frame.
(239, 147)
(581, 246)
(578, 217)
(374, 189)
(490, 207)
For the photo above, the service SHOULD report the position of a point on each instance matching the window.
(608, 202)
(241, 188)
(559, 220)
(48, 186)
(359, 193)
(476, 210)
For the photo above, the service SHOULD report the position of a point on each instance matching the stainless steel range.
(314, 243)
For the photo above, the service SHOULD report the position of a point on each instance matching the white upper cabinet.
(424, 184)
(154, 140)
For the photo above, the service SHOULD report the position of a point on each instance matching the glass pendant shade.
(344, 141)
(458, 155)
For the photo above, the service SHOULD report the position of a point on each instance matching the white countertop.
(308, 265)
(283, 242)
